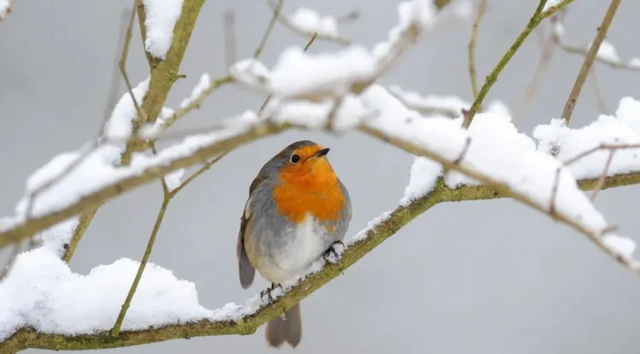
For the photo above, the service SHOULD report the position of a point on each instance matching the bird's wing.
(245, 269)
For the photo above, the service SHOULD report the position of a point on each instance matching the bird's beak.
(322, 152)
(317, 155)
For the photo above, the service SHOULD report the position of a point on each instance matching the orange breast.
(316, 192)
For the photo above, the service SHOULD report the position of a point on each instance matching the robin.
(297, 211)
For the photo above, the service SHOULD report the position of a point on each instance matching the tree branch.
(401, 216)
(537, 17)
(472, 47)
(588, 61)
(163, 72)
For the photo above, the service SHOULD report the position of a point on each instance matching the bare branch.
(597, 90)
(588, 61)
(17, 248)
(603, 176)
(202, 169)
(267, 32)
(583, 51)
(472, 47)
(163, 72)
(537, 17)
(115, 331)
(549, 46)
(366, 241)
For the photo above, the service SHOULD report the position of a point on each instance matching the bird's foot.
(267, 293)
(331, 251)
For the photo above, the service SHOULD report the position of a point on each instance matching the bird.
(298, 210)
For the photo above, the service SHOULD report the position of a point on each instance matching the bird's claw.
(332, 251)
(267, 292)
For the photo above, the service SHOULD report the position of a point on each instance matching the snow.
(250, 72)
(43, 293)
(173, 179)
(310, 21)
(349, 114)
(55, 237)
(607, 52)
(161, 17)
(362, 234)
(418, 14)
(5, 8)
(550, 3)
(152, 130)
(119, 127)
(568, 143)
(449, 105)
(330, 73)
(203, 85)
(523, 169)
(623, 246)
(425, 172)
(97, 171)
(422, 180)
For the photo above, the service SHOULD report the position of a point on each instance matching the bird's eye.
(295, 158)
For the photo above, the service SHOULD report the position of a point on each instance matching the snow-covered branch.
(607, 55)
(307, 22)
(427, 188)
(330, 91)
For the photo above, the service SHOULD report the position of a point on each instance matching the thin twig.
(268, 99)
(17, 248)
(472, 47)
(601, 181)
(123, 64)
(597, 91)
(588, 61)
(549, 45)
(85, 218)
(287, 22)
(601, 147)
(537, 17)
(202, 169)
(193, 104)
(88, 149)
(115, 331)
(267, 32)
(166, 199)
(615, 64)
(603, 176)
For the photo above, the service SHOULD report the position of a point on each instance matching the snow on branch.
(155, 318)
(307, 22)
(160, 19)
(607, 53)
(448, 106)
(490, 159)
(566, 143)
(479, 156)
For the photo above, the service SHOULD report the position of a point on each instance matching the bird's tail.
(287, 329)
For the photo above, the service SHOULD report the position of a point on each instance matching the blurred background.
(474, 277)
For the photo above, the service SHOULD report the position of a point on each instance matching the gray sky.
(479, 277)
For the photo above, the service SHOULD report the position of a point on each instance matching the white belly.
(303, 245)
